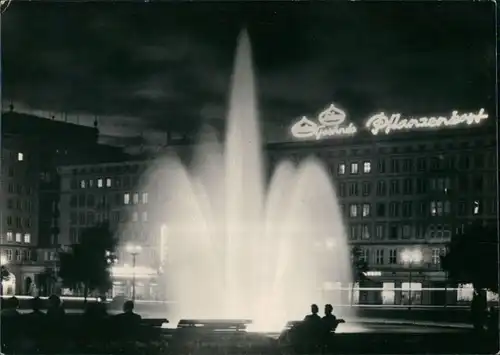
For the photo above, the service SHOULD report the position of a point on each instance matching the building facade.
(111, 192)
(403, 197)
(32, 148)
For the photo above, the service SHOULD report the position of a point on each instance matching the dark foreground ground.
(376, 330)
(353, 338)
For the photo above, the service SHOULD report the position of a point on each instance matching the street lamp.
(133, 250)
(410, 257)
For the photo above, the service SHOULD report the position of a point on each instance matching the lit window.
(365, 232)
(82, 184)
(366, 210)
(10, 236)
(20, 156)
(367, 167)
(353, 210)
(433, 208)
(27, 238)
(144, 216)
(136, 198)
(144, 197)
(18, 237)
(126, 199)
(135, 217)
(99, 183)
(341, 169)
(476, 207)
(8, 254)
(354, 168)
(108, 182)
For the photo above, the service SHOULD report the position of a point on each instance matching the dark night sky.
(140, 66)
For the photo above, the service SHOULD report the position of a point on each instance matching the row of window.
(395, 256)
(17, 255)
(90, 218)
(18, 222)
(113, 169)
(108, 182)
(18, 237)
(12, 155)
(19, 204)
(422, 164)
(19, 189)
(411, 186)
(435, 208)
(396, 231)
(89, 200)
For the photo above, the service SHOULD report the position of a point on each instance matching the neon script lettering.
(381, 123)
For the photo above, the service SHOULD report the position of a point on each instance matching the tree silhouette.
(359, 267)
(87, 263)
(5, 276)
(472, 258)
(5, 273)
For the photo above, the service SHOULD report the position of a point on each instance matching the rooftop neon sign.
(330, 124)
(381, 123)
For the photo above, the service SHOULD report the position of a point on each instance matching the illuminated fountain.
(239, 249)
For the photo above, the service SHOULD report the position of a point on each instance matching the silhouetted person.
(35, 326)
(55, 311)
(311, 329)
(329, 319)
(10, 324)
(95, 325)
(10, 307)
(313, 317)
(36, 306)
(56, 325)
(127, 324)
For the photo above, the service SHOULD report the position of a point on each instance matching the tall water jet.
(239, 249)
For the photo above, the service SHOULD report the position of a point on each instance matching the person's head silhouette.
(314, 309)
(328, 309)
(13, 302)
(128, 306)
(54, 301)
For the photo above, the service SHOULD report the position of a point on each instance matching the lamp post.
(134, 250)
(410, 257)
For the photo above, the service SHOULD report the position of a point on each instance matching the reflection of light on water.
(265, 327)
(352, 328)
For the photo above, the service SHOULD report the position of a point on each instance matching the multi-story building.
(32, 148)
(403, 196)
(116, 192)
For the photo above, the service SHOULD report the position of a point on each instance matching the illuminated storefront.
(146, 282)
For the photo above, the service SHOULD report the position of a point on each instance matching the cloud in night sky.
(151, 67)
